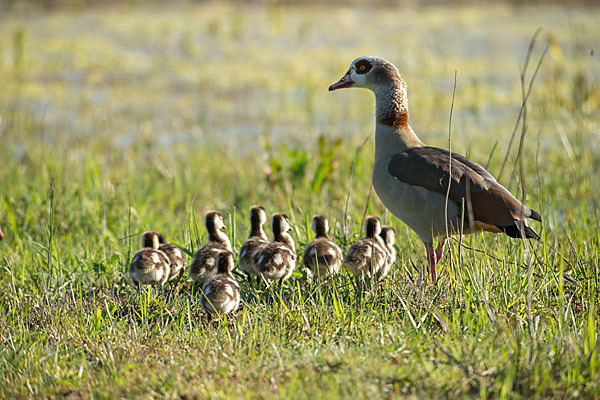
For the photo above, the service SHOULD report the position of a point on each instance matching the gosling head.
(152, 239)
(224, 262)
(372, 226)
(320, 225)
(280, 224)
(214, 222)
(258, 216)
(388, 234)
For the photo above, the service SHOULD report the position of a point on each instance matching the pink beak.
(1, 235)
(345, 82)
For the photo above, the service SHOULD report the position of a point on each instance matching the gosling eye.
(343, 80)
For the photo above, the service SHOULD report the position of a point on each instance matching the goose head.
(224, 262)
(370, 72)
(320, 225)
(372, 227)
(152, 239)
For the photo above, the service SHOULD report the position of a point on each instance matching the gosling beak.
(345, 82)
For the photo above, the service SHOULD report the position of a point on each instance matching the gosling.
(388, 234)
(150, 266)
(277, 260)
(204, 262)
(174, 253)
(221, 292)
(322, 256)
(257, 240)
(366, 258)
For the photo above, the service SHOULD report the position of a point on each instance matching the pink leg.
(431, 259)
(439, 252)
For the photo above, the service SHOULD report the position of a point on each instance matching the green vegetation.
(177, 111)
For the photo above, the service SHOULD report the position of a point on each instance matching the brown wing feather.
(489, 201)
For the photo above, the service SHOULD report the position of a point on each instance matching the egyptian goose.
(277, 260)
(221, 292)
(322, 256)
(174, 253)
(389, 237)
(411, 179)
(150, 266)
(257, 240)
(204, 262)
(367, 257)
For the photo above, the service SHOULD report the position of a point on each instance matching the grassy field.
(117, 121)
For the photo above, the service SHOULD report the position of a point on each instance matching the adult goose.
(176, 257)
(221, 292)
(412, 179)
(150, 266)
(277, 260)
(257, 240)
(204, 263)
(322, 256)
(367, 257)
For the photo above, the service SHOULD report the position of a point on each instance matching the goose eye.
(363, 66)
(343, 80)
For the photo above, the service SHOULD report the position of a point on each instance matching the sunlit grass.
(178, 111)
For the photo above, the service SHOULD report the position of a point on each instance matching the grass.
(117, 121)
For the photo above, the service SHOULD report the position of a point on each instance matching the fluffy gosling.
(322, 256)
(150, 266)
(388, 234)
(174, 253)
(257, 240)
(221, 292)
(204, 263)
(277, 260)
(367, 256)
